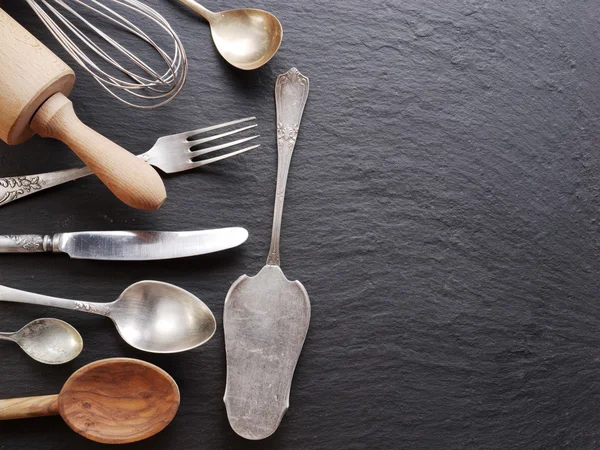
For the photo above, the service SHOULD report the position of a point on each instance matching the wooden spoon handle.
(24, 408)
(132, 180)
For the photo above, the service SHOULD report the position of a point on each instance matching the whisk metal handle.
(132, 180)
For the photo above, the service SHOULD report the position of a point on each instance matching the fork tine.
(204, 162)
(219, 136)
(188, 134)
(219, 147)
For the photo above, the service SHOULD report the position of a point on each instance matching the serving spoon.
(149, 315)
(247, 38)
(49, 341)
(111, 401)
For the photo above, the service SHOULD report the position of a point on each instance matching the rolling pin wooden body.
(34, 83)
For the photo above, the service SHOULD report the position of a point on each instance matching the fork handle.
(132, 180)
(14, 188)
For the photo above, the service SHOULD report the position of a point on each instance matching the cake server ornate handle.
(291, 93)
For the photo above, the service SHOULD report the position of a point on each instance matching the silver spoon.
(49, 341)
(247, 38)
(150, 316)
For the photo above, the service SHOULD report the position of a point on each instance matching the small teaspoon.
(49, 341)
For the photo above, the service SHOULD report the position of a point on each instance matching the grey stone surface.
(442, 213)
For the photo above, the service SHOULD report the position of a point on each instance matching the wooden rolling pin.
(34, 83)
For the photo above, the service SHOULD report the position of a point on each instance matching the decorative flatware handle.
(25, 243)
(24, 408)
(14, 188)
(8, 294)
(291, 93)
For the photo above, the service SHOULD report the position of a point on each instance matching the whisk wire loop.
(140, 80)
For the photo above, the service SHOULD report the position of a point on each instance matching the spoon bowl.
(49, 341)
(162, 318)
(149, 315)
(246, 38)
(111, 401)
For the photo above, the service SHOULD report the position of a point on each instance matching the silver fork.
(171, 154)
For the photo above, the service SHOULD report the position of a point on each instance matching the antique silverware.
(111, 401)
(171, 154)
(118, 69)
(266, 317)
(49, 341)
(247, 38)
(149, 315)
(127, 245)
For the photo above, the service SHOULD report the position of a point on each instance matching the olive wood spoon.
(111, 401)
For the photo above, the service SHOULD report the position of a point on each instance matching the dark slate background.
(443, 214)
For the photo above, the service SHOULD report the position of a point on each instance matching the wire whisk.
(147, 87)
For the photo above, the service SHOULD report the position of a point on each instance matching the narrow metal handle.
(7, 336)
(207, 14)
(25, 243)
(14, 188)
(14, 295)
(291, 93)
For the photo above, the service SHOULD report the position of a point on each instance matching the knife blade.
(127, 245)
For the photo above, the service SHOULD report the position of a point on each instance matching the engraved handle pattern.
(15, 295)
(25, 243)
(291, 93)
(14, 188)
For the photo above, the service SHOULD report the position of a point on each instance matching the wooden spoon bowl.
(111, 401)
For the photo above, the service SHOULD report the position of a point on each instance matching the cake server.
(127, 245)
(266, 317)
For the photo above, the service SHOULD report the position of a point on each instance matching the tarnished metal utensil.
(127, 245)
(149, 315)
(247, 38)
(266, 317)
(49, 341)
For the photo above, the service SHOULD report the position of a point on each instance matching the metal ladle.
(150, 315)
(49, 341)
(247, 38)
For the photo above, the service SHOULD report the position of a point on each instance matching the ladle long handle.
(26, 407)
(198, 8)
(14, 295)
(291, 93)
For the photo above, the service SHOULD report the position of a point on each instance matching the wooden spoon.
(111, 401)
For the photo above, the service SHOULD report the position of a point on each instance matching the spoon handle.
(198, 8)
(291, 93)
(14, 295)
(7, 337)
(24, 408)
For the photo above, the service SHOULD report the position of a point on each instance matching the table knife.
(127, 245)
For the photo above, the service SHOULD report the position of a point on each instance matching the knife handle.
(25, 243)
